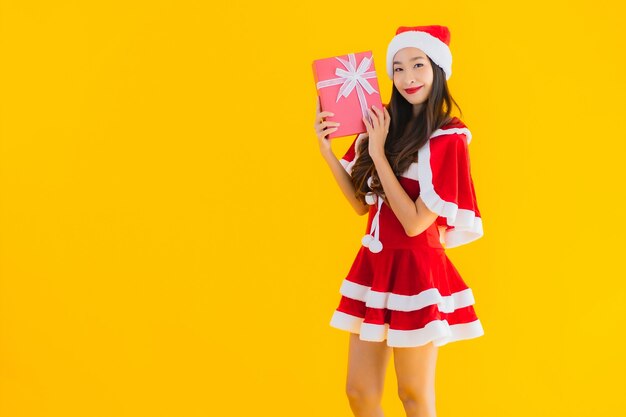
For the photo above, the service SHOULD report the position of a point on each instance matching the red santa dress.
(404, 289)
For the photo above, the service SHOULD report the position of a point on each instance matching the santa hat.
(434, 40)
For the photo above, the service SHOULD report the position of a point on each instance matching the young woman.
(411, 173)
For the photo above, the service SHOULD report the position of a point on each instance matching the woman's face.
(411, 68)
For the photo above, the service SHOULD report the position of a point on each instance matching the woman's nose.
(409, 79)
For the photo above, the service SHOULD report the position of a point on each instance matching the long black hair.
(407, 133)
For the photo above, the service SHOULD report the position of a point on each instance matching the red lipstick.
(412, 90)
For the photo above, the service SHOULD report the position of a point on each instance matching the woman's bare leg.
(415, 369)
(367, 365)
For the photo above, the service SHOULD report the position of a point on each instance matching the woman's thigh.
(367, 364)
(415, 369)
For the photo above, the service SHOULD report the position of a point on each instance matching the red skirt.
(408, 294)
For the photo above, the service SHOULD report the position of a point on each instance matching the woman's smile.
(413, 90)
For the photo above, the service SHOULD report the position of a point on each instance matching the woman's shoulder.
(454, 129)
(453, 123)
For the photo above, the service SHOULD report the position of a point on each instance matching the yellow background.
(172, 243)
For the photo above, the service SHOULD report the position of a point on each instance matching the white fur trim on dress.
(399, 302)
(440, 332)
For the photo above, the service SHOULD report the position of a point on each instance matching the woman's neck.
(417, 108)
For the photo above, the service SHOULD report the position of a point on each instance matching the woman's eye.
(413, 67)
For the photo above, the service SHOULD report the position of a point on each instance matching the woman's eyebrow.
(412, 59)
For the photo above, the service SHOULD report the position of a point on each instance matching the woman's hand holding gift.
(377, 130)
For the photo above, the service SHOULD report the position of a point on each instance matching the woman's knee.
(415, 395)
(363, 396)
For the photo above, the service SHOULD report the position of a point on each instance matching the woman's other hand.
(377, 130)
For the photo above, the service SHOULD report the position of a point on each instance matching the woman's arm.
(415, 217)
(345, 182)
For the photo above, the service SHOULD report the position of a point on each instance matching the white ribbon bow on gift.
(353, 78)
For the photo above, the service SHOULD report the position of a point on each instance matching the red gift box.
(347, 86)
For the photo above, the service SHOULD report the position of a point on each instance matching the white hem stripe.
(437, 331)
(391, 301)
